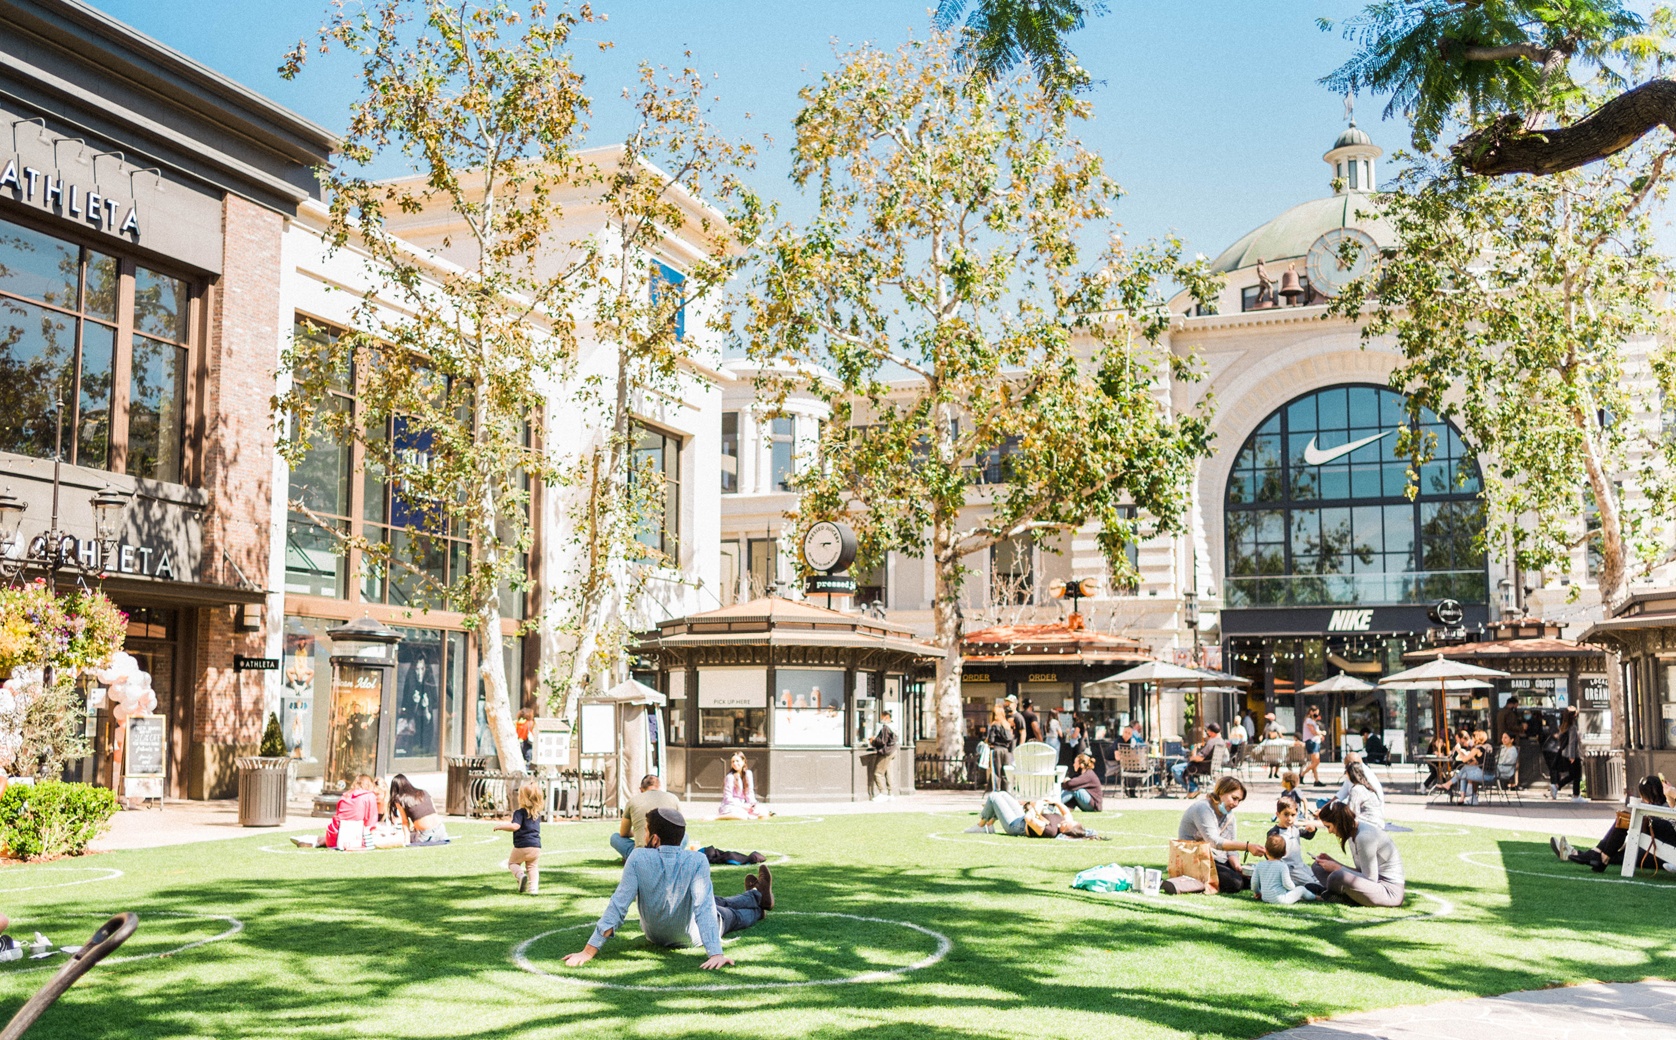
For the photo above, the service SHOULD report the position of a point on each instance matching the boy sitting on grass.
(1271, 880)
(678, 906)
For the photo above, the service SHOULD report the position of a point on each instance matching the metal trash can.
(264, 788)
(1603, 775)
(459, 781)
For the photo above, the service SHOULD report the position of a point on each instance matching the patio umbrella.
(1441, 674)
(1343, 682)
(1162, 674)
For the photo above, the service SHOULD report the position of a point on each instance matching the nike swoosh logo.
(1314, 456)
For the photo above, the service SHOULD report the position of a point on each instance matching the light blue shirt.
(677, 902)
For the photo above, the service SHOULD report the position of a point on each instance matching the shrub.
(273, 741)
(53, 818)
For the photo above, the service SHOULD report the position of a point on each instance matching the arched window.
(1317, 512)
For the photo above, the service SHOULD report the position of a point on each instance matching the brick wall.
(236, 465)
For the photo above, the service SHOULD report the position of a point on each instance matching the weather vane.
(1350, 109)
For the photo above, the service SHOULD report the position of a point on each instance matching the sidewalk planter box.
(264, 787)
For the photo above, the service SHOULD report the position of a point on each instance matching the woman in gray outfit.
(1377, 878)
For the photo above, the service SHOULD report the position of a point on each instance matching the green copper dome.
(1290, 235)
(1353, 134)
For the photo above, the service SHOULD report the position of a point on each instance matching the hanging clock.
(1339, 257)
(828, 546)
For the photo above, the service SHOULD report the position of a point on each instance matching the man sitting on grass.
(678, 906)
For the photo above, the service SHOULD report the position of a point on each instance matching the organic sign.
(144, 745)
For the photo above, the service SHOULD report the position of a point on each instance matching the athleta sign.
(60, 196)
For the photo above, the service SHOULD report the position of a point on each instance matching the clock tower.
(1353, 159)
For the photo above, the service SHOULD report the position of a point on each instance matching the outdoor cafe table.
(1638, 810)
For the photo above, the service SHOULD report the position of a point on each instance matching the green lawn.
(423, 943)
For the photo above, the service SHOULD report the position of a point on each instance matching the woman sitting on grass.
(1211, 819)
(413, 809)
(1082, 789)
(1377, 877)
(1657, 840)
(739, 793)
(1030, 820)
(1365, 799)
(359, 805)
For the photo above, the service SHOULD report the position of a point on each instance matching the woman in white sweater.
(1377, 877)
(1364, 796)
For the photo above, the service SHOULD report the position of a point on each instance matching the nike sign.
(1314, 456)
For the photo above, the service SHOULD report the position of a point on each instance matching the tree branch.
(1506, 147)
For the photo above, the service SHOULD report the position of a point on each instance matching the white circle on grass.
(235, 926)
(1611, 876)
(102, 874)
(520, 957)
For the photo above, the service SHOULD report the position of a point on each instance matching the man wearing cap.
(678, 906)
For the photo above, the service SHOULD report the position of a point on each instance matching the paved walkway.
(1622, 1011)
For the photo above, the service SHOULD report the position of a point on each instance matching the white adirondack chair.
(1035, 773)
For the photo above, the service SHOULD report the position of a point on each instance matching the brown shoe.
(750, 882)
(764, 887)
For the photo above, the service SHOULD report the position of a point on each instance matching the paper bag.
(1193, 859)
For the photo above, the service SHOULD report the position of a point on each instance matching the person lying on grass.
(678, 905)
(358, 804)
(1042, 819)
(1377, 877)
(1657, 840)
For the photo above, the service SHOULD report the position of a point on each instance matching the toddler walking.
(1271, 880)
(525, 825)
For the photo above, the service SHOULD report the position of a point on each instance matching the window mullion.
(122, 360)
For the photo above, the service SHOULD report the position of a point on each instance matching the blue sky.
(1207, 111)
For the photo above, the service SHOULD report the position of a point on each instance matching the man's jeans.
(739, 912)
(623, 845)
(1179, 771)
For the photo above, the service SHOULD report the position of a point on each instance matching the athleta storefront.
(1331, 568)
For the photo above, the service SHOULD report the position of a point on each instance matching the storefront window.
(730, 452)
(513, 654)
(419, 696)
(1666, 671)
(59, 324)
(809, 707)
(732, 706)
(1317, 510)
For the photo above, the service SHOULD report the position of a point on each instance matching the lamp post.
(55, 550)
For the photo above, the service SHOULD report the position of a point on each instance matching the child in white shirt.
(1271, 880)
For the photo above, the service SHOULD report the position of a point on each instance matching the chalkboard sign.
(144, 745)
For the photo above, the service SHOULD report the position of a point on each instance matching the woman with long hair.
(1001, 740)
(414, 810)
(1211, 819)
(1376, 876)
(1312, 733)
(1656, 843)
(1082, 789)
(1364, 796)
(739, 793)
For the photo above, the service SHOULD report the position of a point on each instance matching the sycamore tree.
(1533, 86)
(947, 283)
(449, 364)
(1526, 308)
(679, 224)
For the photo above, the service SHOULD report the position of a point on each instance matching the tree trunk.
(945, 612)
(1505, 146)
(491, 668)
(1613, 582)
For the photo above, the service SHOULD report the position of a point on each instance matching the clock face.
(823, 546)
(1339, 257)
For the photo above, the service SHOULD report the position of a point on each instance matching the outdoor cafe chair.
(1134, 771)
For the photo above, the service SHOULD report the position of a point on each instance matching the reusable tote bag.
(1193, 859)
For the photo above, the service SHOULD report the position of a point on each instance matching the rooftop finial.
(1350, 109)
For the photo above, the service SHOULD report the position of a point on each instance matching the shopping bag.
(983, 756)
(352, 835)
(1108, 878)
(1193, 859)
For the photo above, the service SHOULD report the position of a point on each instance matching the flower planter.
(264, 788)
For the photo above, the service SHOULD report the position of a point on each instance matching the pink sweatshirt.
(361, 806)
